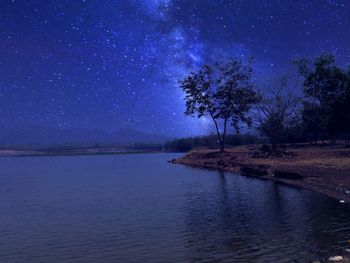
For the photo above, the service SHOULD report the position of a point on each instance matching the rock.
(251, 170)
(265, 148)
(347, 192)
(335, 259)
(342, 201)
(288, 175)
(216, 154)
(347, 250)
(221, 163)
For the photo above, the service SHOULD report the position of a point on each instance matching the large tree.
(277, 111)
(223, 92)
(326, 87)
(313, 121)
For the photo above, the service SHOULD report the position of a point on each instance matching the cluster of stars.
(110, 64)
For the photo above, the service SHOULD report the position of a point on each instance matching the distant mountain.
(127, 136)
(50, 136)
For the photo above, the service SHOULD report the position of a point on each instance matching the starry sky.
(109, 64)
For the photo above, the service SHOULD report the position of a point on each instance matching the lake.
(139, 208)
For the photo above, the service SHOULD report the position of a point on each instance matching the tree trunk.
(274, 143)
(274, 146)
(222, 148)
(218, 133)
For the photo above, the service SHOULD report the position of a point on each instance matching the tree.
(277, 110)
(313, 121)
(223, 92)
(346, 108)
(326, 87)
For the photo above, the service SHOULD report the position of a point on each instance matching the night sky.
(111, 64)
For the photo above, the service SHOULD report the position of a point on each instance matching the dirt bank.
(323, 170)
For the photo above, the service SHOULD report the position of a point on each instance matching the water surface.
(139, 208)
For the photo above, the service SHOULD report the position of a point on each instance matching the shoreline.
(322, 170)
(73, 152)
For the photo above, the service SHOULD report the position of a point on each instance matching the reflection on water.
(139, 208)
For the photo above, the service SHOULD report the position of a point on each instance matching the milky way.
(111, 64)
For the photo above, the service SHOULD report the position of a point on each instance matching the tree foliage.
(277, 111)
(327, 96)
(223, 92)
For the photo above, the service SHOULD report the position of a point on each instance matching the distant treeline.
(67, 147)
(56, 147)
(211, 141)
